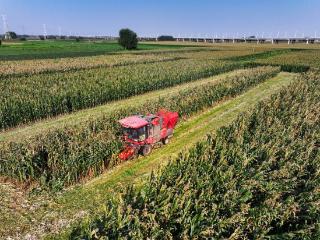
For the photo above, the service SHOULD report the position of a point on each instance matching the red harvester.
(142, 133)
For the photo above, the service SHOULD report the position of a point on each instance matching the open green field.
(59, 140)
(68, 48)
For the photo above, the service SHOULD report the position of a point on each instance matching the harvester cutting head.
(128, 153)
(141, 133)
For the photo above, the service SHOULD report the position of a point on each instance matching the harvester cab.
(142, 133)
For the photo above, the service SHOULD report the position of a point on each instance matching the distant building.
(10, 35)
(7, 36)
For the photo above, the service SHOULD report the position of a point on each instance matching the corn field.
(37, 89)
(36, 66)
(68, 155)
(306, 58)
(255, 179)
(29, 98)
(290, 60)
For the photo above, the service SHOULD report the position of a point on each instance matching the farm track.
(78, 201)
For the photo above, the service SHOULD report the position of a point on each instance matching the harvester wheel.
(165, 141)
(146, 150)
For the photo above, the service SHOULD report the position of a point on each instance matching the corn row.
(35, 66)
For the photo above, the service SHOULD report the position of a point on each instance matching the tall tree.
(128, 39)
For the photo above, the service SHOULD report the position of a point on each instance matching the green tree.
(128, 39)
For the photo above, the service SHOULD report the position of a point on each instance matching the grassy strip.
(88, 198)
(256, 178)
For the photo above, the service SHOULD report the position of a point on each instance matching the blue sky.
(154, 17)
